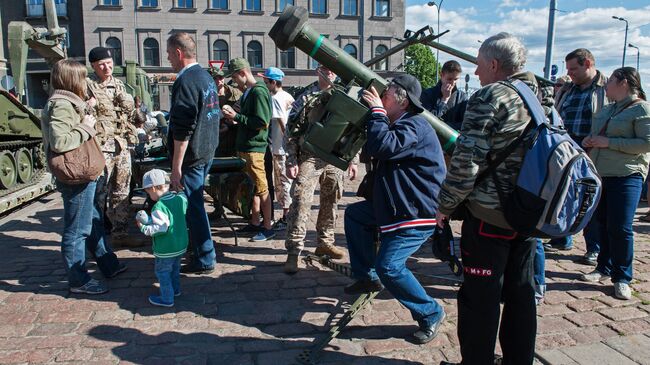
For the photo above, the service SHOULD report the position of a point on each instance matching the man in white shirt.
(281, 106)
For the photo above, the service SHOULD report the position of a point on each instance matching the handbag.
(78, 166)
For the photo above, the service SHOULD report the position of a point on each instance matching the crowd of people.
(410, 186)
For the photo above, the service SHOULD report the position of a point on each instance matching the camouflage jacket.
(115, 111)
(495, 117)
(299, 117)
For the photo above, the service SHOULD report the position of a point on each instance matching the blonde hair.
(69, 75)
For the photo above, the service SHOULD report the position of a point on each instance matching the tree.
(421, 63)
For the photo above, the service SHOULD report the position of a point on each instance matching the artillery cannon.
(339, 135)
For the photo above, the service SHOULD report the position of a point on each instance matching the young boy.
(168, 229)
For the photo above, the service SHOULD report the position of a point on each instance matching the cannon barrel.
(292, 30)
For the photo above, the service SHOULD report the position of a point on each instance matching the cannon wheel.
(7, 170)
(24, 165)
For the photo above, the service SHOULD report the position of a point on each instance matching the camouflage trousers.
(313, 171)
(281, 181)
(114, 191)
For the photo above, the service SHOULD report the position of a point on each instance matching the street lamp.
(625, 43)
(438, 6)
(637, 54)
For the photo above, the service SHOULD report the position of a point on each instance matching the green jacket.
(168, 227)
(253, 120)
(628, 132)
(61, 122)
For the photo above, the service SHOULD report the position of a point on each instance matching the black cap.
(413, 89)
(99, 53)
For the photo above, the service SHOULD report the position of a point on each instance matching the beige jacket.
(61, 122)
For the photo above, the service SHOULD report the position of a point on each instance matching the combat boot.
(291, 266)
(330, 250)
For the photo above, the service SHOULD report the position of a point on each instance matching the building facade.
(224, 29)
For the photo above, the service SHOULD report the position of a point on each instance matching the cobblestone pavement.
(249, 312)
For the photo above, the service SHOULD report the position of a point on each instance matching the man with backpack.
(498, 262)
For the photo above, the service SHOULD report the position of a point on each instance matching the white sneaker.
(594, 276)
(622, 291)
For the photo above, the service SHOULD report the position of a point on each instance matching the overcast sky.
(578, 23)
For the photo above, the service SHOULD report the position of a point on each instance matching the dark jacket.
(194, 116)
(410, 167)
(452, 112)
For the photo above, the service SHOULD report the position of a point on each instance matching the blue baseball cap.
(272, 73)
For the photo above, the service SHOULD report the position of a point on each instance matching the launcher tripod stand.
(312, 355)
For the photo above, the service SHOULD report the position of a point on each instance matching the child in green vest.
(168, 229)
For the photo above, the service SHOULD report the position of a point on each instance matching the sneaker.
(92, 287)
(264, 235)
(330, 250)
(249, 228)
(196, 269)
(120, 269)
(550, 248)
(590, 258)
(280, 225)
(158, 301)
(291, 265)
(363, 286)
(622, 291)
(594, 277)
(177, 293)
(426, 333)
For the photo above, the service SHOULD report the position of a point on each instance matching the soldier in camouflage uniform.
(498, 262)
(308, 171)
(114, 110)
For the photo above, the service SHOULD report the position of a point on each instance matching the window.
(115, 46)
(318, 6)
(35, 8)
(110, 2)
(185, 4)
(220, 50)
(219, 4)
(254, 54)
(253, 5)
(313, 64)
(349, 7)
(382, 8)
(61, 7)
(383, 64)
(288, 58)
(283, 4)
(149, 3)
(351, 50)
(151, 52)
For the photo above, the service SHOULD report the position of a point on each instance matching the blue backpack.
(558, 188)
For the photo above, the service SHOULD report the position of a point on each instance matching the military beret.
(99, 53)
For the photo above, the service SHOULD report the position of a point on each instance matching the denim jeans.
(197, 219)
(539, 268)
(81, 224)
(389, 263)
(615, 214)
(168, 272)
(592, 238)
(97, 243)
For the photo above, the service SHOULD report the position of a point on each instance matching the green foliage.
(421, 63)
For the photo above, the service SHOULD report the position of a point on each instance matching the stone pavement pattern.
(249, 312)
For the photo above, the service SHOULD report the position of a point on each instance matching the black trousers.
(498, 267)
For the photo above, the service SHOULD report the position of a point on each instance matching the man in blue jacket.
(409, 170)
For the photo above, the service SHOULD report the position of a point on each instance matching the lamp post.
(625, 43)
(438, 6)
(638, 52)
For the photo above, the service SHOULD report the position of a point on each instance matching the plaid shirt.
(576, 111)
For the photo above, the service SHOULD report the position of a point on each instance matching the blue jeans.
(591, 234)
(615, 214)
(168, 272)
(82, 224)
(539, 268)
(197, 218)
(389, 263)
